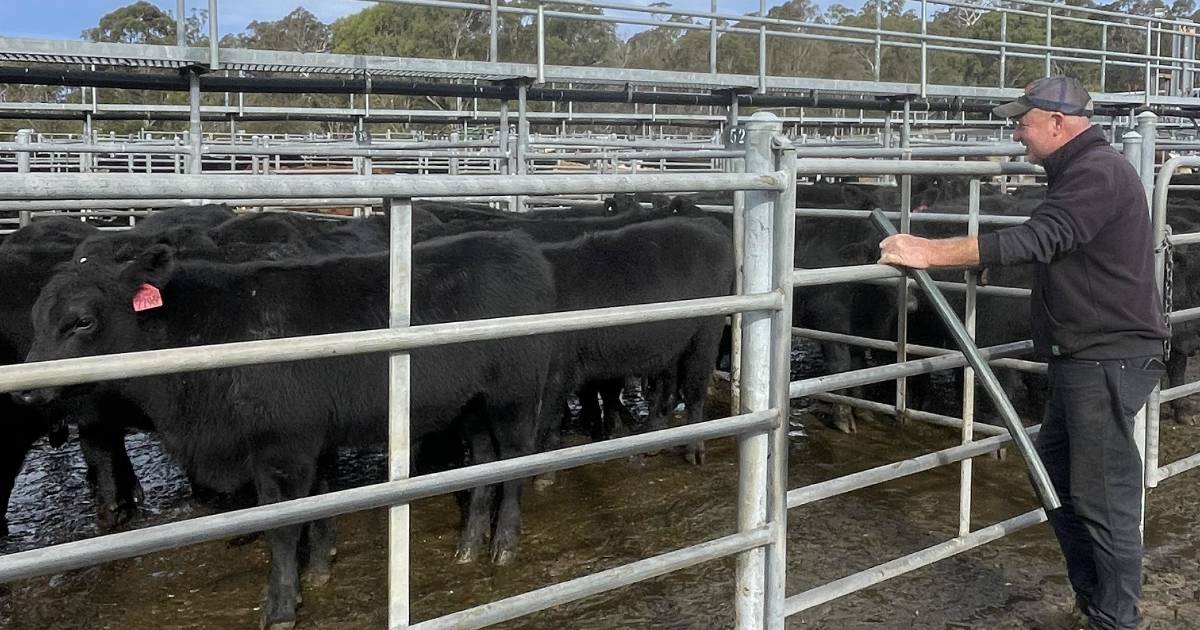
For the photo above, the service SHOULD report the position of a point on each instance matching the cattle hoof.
(278, 625)
(503, 557)
(845, 424)
(695, 454)
(543, 481)
(466, 554)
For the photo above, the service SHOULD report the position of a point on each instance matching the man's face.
(1041, 132)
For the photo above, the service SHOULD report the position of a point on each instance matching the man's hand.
(905, 250)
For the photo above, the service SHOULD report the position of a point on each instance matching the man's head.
(1052, 112)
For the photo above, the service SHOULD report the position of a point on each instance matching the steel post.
(762, 49)
(1146, 127)
(24, 136)
(968, 394)
(541, 43)
(493, 30)
(783, 250)
(180, 24)
(754, 450)
(522, 138)
(214, 62)
(712, 40)
(1003, 48)
(195, 129)
(399, 309)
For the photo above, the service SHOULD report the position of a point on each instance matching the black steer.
(271, 425)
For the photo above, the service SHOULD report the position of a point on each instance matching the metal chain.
(1168, 288)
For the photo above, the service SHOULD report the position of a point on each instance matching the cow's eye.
(85, 323)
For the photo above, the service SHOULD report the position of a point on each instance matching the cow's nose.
(29, 398)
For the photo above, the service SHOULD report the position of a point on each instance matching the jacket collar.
(1058, 161)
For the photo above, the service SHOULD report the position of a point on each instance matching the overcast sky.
(66, 19)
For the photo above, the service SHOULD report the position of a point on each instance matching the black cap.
(1054, 94)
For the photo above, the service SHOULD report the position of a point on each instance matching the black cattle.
(181, 227)
(51, 233)
(669, 259)
(27, 269)
(617, 204)
(271, 425)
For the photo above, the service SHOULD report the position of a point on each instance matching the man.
(1096, 318)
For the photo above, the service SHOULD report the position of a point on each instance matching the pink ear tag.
(146, 298)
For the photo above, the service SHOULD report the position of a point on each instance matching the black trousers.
(1087, 444)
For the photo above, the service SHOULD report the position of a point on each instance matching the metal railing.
(766, 330)
(758, 545)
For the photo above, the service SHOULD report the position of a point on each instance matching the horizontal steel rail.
(911, 348)
(1005, 149)
(858, 581)
(895, 470)
(1178, 466)
(916, 414)
(587, 586)
(916, 217)
(83, 186)
(75, 555)
(828, 166)
(877, 374)
(1184, 315)
(638, 155)
(193, 358)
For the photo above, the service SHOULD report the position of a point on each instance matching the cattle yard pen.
(864, 128)
(763, 498)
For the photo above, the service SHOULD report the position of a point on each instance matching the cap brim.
(1014, 109)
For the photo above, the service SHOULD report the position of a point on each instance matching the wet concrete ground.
(605, 515)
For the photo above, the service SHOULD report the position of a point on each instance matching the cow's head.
(91, 308)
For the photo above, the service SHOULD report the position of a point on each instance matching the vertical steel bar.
(214, 62)
(1003, 48)
(924, 48)
(399, 309)
(783, 249)
(1149, 72)
(1103, 56)
(754, 450)
(195, 129)
(734, 140)
(506, 163)
(1146, 126)
(24, 136)
(902, 289)
(453, 167)
(712, 40)
(541, 43)
(1154, 404)
(1049, 44)
(878, 39)
(522, 138)
(762, 49)
(968, 400)
(493, 31)
(1146, 421)
(180, 24)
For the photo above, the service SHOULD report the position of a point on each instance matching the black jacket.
(1091, 240)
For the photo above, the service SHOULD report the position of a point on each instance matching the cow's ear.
(153, 266)
(684, 205)
(858, 199)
